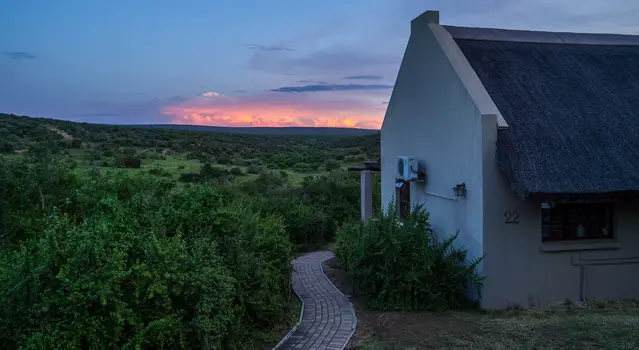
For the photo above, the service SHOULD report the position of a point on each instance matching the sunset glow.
(276, 110)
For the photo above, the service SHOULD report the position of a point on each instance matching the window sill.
(579, 245)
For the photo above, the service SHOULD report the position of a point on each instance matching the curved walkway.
(328, 319)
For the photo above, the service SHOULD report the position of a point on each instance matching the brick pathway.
(328, 319)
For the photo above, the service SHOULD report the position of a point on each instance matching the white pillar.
(366, 182)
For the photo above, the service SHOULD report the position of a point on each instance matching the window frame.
(566, 237)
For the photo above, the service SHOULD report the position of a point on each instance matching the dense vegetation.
(104, 144)
(146, 238)
(404, 265)
(134, 273)
(111, 240)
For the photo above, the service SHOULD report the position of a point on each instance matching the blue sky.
(279, 62)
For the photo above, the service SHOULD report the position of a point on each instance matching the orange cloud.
(277, 110)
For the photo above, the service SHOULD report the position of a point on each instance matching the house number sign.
(512, 217)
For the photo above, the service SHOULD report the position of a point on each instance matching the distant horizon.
(197, 125)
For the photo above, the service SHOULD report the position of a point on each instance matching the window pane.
(564, 221)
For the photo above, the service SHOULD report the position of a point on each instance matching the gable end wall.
(431, 115)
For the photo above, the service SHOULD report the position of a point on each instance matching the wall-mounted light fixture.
(460, 190)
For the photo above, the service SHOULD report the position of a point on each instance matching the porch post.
(366, 183)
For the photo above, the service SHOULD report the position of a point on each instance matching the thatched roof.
(572, 110)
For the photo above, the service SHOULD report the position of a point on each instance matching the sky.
(240, 62)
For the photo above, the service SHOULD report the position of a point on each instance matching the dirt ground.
(596, 326)
(62, 133)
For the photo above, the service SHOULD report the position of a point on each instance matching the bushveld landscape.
(137, 237)
(131, 237)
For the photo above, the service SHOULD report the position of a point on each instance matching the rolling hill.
(282, 131)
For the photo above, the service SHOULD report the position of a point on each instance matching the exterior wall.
(522, 271)
(440, 113)
(431, 116)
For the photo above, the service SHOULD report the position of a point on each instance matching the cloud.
(335, 61)
(306, 81)
(276, 109)
(614, 16)
(18, 56)
(268, 47)
(333, 87)
(364, 77)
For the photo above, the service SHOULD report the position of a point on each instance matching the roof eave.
(583, 196)
(465, 72)
(529, 36)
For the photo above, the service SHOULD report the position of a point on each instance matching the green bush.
(6, 147)
(337, 195)
(28, 191)
(186, 272)
(307, 225)
(224, 160)
(209, 172)
(403, 265)
(332, 165)
(159, 171)
(76, 143)
(255, 170)
(190, 177)
(128, 162)
(235, 171)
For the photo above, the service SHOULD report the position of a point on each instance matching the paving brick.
(328, 319)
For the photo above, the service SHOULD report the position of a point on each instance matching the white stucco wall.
(431, 116)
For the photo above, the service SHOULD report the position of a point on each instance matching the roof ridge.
(548, 37)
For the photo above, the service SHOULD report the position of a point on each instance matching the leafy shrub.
(190, 177)
(404, 266)
(76, 143)
(152, 155)
(224, 160)
(158, 171)
(93, 173)
(307, 226)
(332, 165)
(186, 272)
(209, 171)
(235, 171)
(27, 193)
(128, 151)
(337, 194)
(6, 147)
(303, 168)
(254, 170)
(128, 162)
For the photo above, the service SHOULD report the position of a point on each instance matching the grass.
(174, 165)
(599, 326)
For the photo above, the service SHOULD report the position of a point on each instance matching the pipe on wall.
(440, 196)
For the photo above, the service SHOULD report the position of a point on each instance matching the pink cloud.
(279, 109)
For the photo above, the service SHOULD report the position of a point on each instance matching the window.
(576, 221)
(403, 199)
